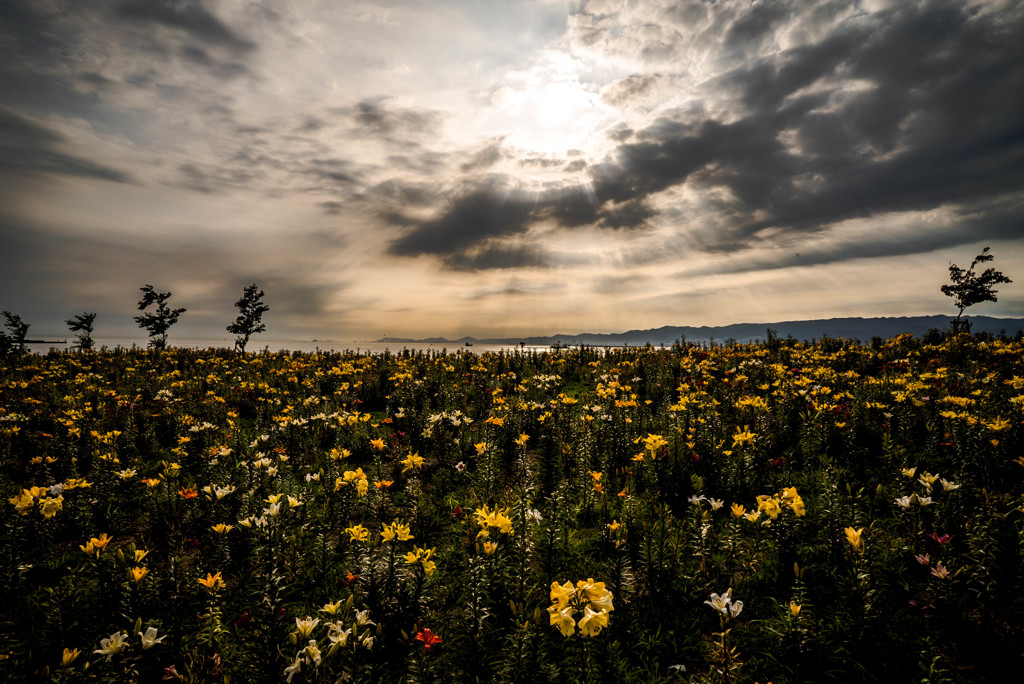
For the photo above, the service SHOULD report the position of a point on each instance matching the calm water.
(257, 345)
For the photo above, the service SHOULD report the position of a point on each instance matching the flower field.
(784, 512)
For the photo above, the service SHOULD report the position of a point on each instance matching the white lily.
(112, 645)
(305, 626)
(293, 668)
(149, 638)
(721, 603)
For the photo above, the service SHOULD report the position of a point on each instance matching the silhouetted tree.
(969, 288)
(19, 331)
(250, 316)
(159, 321)
(82, 324)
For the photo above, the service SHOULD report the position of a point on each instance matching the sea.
(258, 345)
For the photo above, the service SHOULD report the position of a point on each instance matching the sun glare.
(548, 111)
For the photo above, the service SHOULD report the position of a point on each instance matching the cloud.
(211, 179)
(541, 162)
(190, 16)
(911, 108)
(224, 70)
(637, 89)
(404, 193)
(750, 31)
(384, 118)
(580, 143)
(332, 207)
(518, 286)
(483, 158)
(27, 146)
(472, 218)
(897, 234)
(334, 170)
(498, 255)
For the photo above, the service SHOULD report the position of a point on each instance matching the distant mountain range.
(850, 328)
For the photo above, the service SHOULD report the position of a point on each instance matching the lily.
(112, 645)
(721, 603)
(149, 638)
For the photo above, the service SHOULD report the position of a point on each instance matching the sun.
(549, 110)
(552, 118)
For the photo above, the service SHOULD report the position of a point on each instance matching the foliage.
(969, 288)
(157, 322)
(249, 322)
(793, 513)
(15, 341)
(82, 324)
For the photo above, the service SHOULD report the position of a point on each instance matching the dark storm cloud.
(190, 16)
(27, 147)
(745, 155)
(462, 235)
(986, 222)
(629, 214)
(471, 219)
(940, 121)
(616, 199)
(750, 30)
(909, 109)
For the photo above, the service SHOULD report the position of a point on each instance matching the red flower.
(428, 638)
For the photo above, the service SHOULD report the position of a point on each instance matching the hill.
(849, 328)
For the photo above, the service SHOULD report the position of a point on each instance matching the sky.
(502, 168)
